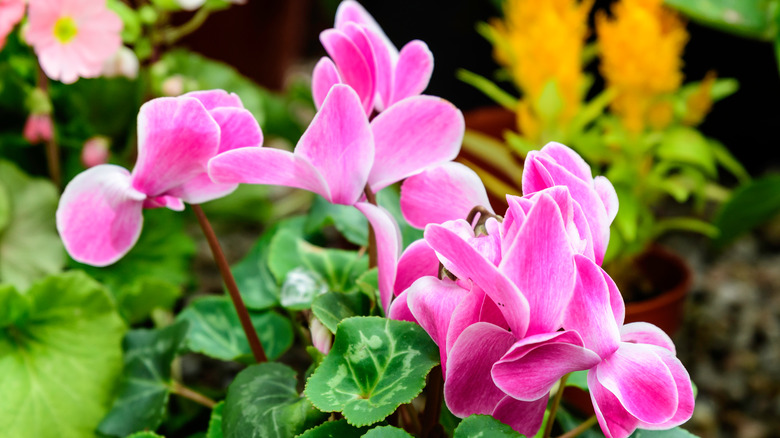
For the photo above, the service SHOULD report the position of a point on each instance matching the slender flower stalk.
(554, 407)
(181, 390)
(52, 151)
(432, 410)
(372, 254)
(230, 283)
(579, 430)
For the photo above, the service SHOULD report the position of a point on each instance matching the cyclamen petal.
(388, 242)
(399, 309)
(99, 215)
(413, 134)
(646, 333)
(417, 260)
(682, 380)
(522, 416)
(354, 69)
(613, 418)
(213, 99)
(324, 76)
(412, 72)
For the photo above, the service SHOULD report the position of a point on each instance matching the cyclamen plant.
(514, 303)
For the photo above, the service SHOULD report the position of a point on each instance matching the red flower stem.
(230, 282)
(52, 151)
(433, 396)
(372, 257)
(554, 407)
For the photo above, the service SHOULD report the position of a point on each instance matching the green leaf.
(368, 283)
(550, 103)
(254, 278)
(145, 434)
(131, 24)
(677, 432)
(386, 432)
(484, 426)
(339, 268)
(215, 330)
(335, 429)
(300, 288)
(390, 200)
(375, 365)
(215, 422)
(333, 307)
(488, 88)
(750, 18)
(348, 220)
(30, 247)
(750, 205)
(5, 207)
(283, 253)
(60, 360)
(137, 301)
(687, 145)
(262, 402)
(145, 387)
(578, 379)
(729, 161)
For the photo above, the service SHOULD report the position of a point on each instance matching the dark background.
(265, 38)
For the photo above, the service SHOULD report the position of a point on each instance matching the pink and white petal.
(417, 260)
(384, 56)
(513, 220)
(176, 139)
(608, 196)
(465, 314)
(99, 215)
(413, 134)
(340, 145)
(568, 159)
(238, 128)
(451, 187)
(589, 311)
(358, 36)
(613, 418)
(540, 263)
(535, 175)
(641, 381)
(399, 309)
(522, 416)
(212, 99)
(580, 222)
(202, 189)
(532, 366)
(388, 242)
(646, 333)
(350, 11)
(468, 385)
(514, 306)
(686, 400)
(267, 166)
(165, 201)
(354, 68)
(432, 302)
(324, 77)
(615, 300)
(412, 72)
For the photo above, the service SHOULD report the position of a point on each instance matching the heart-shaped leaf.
(334, 429)
(262, 402)
(484, 425)
(375, 365)
(215, 422)
(333, 307)
(386, 432)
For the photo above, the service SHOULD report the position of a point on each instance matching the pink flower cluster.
(516, 303)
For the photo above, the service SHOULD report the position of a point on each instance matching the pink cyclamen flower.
(95, 151)
(100, 213)
(73, 38)
(11, 13)
(363, 57)
(38, 128)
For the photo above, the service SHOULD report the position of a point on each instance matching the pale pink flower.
(11, 13)
(73, 38)
(95, 151)
(38, 128)
(123, 62)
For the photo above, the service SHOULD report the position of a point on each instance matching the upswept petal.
(388, 243)
(412, 72)
(513, 220)
(522, 416)
(608, 196)
(615, 300)
(357, 35)
(413, 134)
(354, 68)
(640, 379)
(468, 385)
(684, 391)
(176, 139)
(646, 333)
(339, 144)
(99, 215)
(540, 263)
(590, 312)
(417, 260)
(350, 11)
(531, 367)
(384, 56)
(465, 314)
(613, 418)
(399, 309)
(514, 306)
(451, 187)
(570, 160)
(324, 76)
(201, 189)
(238, 128)
(432, 302)
(212, 99)
(267, 166)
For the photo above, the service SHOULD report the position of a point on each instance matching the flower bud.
(321, 337)
(38, 128)
(95, 151)
(123, 62)
(173, 86)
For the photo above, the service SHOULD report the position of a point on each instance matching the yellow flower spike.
(543, 41)
(641, 49)
(699, 102)
(660, 114)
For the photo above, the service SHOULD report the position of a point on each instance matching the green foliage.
(386, 432)
(750, 18)
(335, 429)
(215, 422)
(484, 425)
(145, 388)
(375, 366)
(60, 357)
(748, 207)
(262, 402)
(140, 297)
(333, 307)
(216, 331)
(687, 145)
(30, 247)
(677, 432)
(145, 434)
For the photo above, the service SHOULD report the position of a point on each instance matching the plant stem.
(587, 424)
(197, 20)
(433, 395)
(554, 407)
(230, 283)
(181, 390)
(52, 151)
(372, 254)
